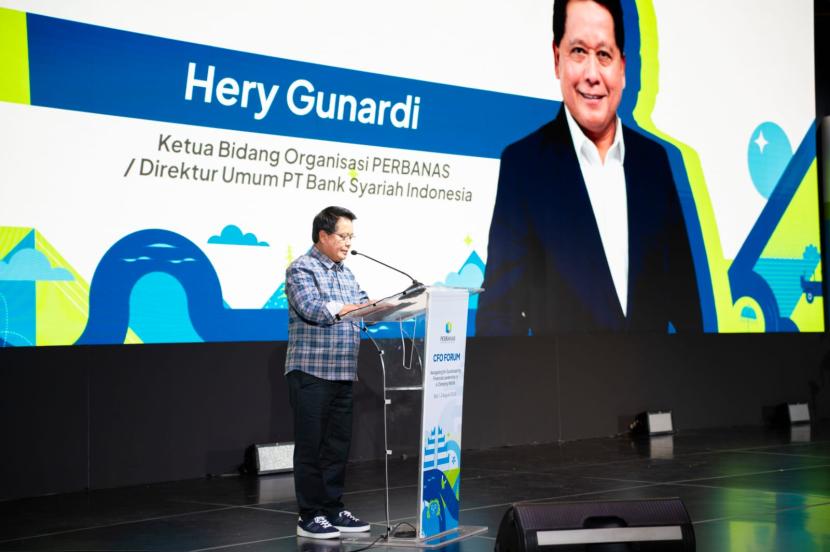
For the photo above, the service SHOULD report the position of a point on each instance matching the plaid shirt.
(318, 343)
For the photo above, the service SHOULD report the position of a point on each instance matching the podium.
(444, 311)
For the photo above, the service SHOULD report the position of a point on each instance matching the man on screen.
(320, 366)
(587, 231)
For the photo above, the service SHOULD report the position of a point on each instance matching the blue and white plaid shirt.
(319, 344)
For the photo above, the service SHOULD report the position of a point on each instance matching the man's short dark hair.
(326, 220)
(613, 6)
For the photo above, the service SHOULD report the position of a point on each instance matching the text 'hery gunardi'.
(301, 98)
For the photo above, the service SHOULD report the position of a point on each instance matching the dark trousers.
(322, 436)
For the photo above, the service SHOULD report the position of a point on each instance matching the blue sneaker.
(347, 523)
(318, 527)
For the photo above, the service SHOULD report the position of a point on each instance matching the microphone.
(415, 283)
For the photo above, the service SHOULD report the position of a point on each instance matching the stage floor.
(746, 489)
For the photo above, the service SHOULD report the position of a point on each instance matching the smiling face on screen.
(590, 68)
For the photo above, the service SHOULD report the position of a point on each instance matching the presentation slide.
(162, 163)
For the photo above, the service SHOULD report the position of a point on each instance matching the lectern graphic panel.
(444, 351)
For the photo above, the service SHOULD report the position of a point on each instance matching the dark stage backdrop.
(97, 417)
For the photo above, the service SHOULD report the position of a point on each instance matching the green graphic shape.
(452, 475)
(14, 57)
(799, 228)
(61, 307)
(10, 237)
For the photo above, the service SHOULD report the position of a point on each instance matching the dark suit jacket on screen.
(546, 268)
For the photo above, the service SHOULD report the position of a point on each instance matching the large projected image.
(656, 245)
(587, 231)
(161, 170)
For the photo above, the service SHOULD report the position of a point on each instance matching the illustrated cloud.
(29, 265)
(232, 235)
(470, 276)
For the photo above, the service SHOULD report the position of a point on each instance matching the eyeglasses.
(344, 237)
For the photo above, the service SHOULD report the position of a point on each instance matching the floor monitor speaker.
(620, 525)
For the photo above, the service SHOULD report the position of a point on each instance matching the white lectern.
(439, 479)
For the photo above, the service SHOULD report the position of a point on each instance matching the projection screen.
(162, 163)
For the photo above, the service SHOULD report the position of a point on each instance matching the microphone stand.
(386, 451)
(416, 285)
(414, 289)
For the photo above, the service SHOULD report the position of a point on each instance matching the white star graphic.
(761, 141)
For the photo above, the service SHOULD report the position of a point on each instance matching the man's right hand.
(350, 307)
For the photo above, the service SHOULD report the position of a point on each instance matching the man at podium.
(320, 368)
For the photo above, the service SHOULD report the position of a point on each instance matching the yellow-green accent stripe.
(727, 313)
(14, 57)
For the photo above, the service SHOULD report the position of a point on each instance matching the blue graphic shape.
(440, 509)
(17, 313)
(158, 310)
(784, 279)
(436, 453)
(474, 260)
(96, 69)
(170, 253)
(30, 265)
(744, 280)
(454, 453)
(233, 235)
(811, 255)
(278, 300)
(789, 278)
(431, 521)
(749, 313)
(441, 512)
(470, 275)
(811, 289)
(768, 153)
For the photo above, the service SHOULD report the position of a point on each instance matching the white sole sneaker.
(331, 535)
(361, 529)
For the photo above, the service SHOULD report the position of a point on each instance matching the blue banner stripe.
(96, 69)
(433, 463)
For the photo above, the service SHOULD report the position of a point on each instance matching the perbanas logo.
(447, 330)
